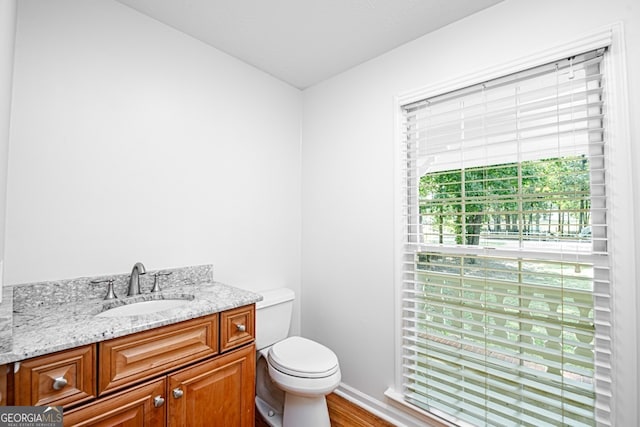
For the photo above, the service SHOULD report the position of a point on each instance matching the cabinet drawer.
(57, 379)
(237, 327)
(4, 375)
(139, 356)
(139, 406)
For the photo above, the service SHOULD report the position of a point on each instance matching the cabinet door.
(142, 406)
(215, 393)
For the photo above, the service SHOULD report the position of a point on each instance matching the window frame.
(624, 336)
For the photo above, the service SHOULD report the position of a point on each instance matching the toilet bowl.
(293, 374)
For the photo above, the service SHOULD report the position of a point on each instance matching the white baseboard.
(389, 411)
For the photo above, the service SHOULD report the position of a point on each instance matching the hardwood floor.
(259, 421)
(344, 414)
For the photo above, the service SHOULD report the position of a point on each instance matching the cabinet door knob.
(59, 383)
(158, 401)
(241, 328)
(177, 393)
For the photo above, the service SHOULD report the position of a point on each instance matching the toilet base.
(305, 411)
(270, 415)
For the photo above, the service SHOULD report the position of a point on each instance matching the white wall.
(348, 168)
(133, 142)
(7, 41)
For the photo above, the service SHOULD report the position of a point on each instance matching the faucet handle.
(110, 293)
(156, 281)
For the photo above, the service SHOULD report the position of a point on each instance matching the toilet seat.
(301, 357)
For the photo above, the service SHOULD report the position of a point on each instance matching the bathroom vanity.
(186, 366)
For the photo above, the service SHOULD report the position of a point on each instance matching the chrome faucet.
(134, 279)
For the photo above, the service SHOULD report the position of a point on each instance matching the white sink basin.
(144, 307)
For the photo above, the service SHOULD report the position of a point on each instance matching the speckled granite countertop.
(46, 328)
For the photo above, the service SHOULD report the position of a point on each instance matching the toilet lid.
(301, 357)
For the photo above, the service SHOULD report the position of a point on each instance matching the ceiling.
(303, 42)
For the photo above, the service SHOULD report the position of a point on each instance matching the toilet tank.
(273, 316)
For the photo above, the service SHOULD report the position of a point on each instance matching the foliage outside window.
(529, 201)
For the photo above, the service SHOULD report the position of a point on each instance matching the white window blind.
(506, 294)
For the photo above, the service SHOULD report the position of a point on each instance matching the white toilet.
(293, 375)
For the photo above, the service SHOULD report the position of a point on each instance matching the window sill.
(430, 419)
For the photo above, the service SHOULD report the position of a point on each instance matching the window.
(506, 289)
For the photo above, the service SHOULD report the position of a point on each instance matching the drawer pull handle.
(59, 383)
(158, 401)
(177, 393)
(241, 328)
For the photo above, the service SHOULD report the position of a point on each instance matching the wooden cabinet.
(59, 379)
(138, 406)
(222, 389)
(199, 372)
(215, 393)
(136, 357)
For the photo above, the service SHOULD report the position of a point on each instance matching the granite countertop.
(46, 328)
